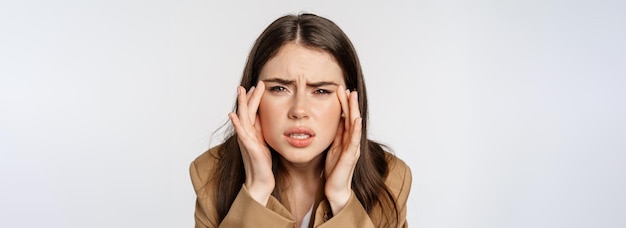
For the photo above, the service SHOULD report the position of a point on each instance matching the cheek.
(263, 109)
(266, 111)
(270, 113)
(334, 109)
(330, 118)
(329, 113)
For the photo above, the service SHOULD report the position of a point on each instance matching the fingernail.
(348, 92)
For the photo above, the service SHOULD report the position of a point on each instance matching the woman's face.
(299, 111)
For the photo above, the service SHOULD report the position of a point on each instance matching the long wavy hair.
(372, 167)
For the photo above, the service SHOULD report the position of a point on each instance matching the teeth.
(300, 136)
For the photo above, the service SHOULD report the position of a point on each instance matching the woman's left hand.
(344, 152)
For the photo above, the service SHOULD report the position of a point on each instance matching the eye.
(322, 91)
(278, 89)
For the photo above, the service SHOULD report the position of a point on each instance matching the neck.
(300, 173)
(303, 183)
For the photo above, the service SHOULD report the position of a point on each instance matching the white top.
(306, 219)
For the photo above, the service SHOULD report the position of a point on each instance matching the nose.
(299, 107)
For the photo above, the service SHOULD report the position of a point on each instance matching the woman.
(299, 154)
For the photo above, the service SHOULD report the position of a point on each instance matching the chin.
(300, 155)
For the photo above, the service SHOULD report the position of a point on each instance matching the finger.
(355, 137)
(234, 119)
(354, 106)
(349, 155)
(242, 138)
(338, 136)
(343, 101)
(337, 141)
(242, 106)
(255, 99)
(335, 149)
(258, 129)
(249, 93)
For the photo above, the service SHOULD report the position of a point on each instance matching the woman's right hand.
(257, 159)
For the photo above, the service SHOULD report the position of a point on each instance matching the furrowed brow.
(279, 81)
(320, 84)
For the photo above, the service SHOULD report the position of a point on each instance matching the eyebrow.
(291, 82)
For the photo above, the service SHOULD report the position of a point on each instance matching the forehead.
(300, 63)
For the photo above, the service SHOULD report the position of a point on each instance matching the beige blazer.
(246, 212)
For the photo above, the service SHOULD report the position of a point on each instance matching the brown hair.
(316, 32)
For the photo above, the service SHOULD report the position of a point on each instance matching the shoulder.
(208, 157)
(399, 177)
(202, 172)
(203, 167)
(397, 167)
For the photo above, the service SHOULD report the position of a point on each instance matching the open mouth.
(299, 136)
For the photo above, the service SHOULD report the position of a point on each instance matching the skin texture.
(299, 88)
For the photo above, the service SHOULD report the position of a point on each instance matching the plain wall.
(509, 113)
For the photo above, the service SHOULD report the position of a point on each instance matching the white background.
(510, 113)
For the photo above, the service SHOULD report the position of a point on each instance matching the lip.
(299, 143)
